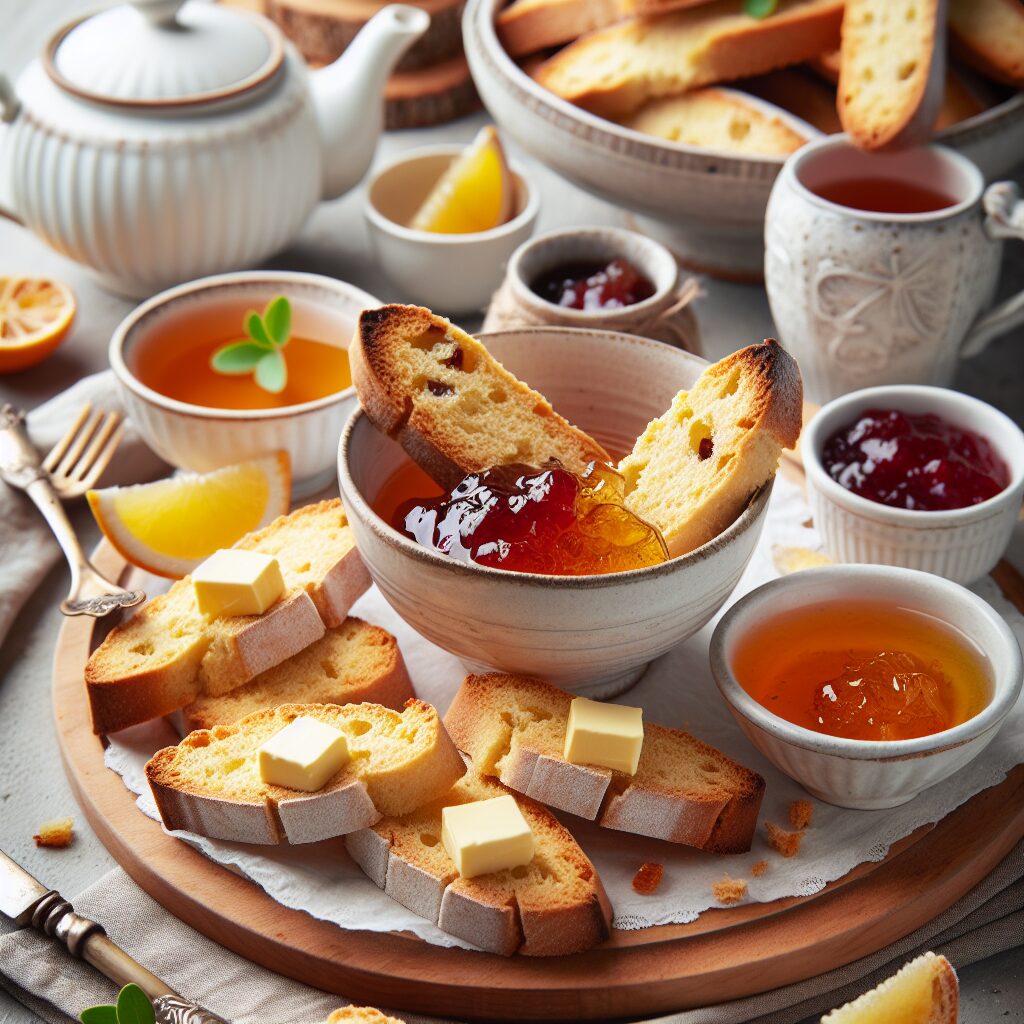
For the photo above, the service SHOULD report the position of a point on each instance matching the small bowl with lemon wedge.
(444, 220)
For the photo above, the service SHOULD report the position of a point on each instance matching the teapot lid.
(164, 53)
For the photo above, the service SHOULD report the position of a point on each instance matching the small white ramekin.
(448, 273)
(199, 438)
(962, 544)
(862, 773)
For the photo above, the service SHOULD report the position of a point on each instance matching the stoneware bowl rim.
(813, 441)
(211, 283)
(528, 213)
(1006, 686)
(746, 520)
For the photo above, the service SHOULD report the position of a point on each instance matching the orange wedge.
(474, 194)
(169, 526)
(925, 991)
(35, 314)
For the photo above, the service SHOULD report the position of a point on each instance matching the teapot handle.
(1004, 218)
(159, 12)
(9, 109)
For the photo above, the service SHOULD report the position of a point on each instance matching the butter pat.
(303, 755)
(233, 582)
(609, 735)
(486, 836)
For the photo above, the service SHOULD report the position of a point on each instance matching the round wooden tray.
(724, 955)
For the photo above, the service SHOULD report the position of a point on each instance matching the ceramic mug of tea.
(881, 267)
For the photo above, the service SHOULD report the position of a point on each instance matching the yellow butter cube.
(487, 835)
(232, 582)
(608, 735)
(304, 755)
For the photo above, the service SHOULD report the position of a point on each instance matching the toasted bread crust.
(989, 36)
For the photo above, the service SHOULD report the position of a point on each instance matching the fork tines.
(80, 456)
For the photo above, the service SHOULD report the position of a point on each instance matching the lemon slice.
(168, 527)
(925, 991)
(35, 314)
(474, 194)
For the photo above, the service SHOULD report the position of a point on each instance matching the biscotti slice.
(553, 906)
(800, 92)
(317, 552)
(683, 791)
(351, 664)
(719, 119)
(361, 1015)
(891, 70)
(210, 782)
(694, 469)
(989, 35)
(614, 71)
(452, 406)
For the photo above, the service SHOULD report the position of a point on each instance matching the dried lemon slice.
(35, 314)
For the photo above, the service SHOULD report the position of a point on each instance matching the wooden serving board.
(725, 954)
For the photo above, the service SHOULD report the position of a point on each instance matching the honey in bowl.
(864, 671)
(174, 359)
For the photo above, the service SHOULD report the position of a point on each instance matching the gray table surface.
(334, 242)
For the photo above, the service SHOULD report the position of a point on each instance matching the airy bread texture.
(352, 663)
(892, 70)
(716, 118)
(989, 35)
(361, 1015)
(453, 407)
(684, 791)
(553, 906)
(169, 654)
(925, 991)
(694, 469)
(210, 782)
(614, 71)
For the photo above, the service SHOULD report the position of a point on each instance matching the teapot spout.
(348, 95)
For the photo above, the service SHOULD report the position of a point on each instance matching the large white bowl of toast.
(683, 111)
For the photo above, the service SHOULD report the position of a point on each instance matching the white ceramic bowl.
(449, 273)
(708, 206)
(199, 438)
(589, 634)
(962, 544)
(863, 773)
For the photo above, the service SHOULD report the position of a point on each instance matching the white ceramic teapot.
(162, 140)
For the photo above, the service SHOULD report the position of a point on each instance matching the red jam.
(544, 520)
(593, 285)
(913, 461)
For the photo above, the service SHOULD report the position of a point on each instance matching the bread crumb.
(648, 878)
(57, 833)
(786, 843)
(729, 890)
(800, 814)
(759, 868)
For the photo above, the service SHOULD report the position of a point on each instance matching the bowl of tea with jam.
(866, 684)
(922, 477)
(237, 365)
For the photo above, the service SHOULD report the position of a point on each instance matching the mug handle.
(1004, 218)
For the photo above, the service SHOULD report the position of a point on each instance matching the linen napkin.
(28, 550)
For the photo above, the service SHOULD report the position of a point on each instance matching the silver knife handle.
(175, 1010)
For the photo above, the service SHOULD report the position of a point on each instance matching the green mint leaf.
(134, 1007)
(238, 357)
(271, 373)
(760, 8)
(256, 330)
(99, 1015)
(277, 319)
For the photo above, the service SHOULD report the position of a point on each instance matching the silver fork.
(77, 459)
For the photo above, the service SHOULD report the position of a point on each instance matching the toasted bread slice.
(168, 654)
(210, 782)
(925, 991)
(361, 1015)
(720, 119)
(891, 70)
(684, 791)
(614, 71)
(554, 906)
(353, 663)
(452, 406)
(989, 35)
(693, 470)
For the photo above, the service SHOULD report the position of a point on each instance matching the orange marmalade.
(864, 671)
